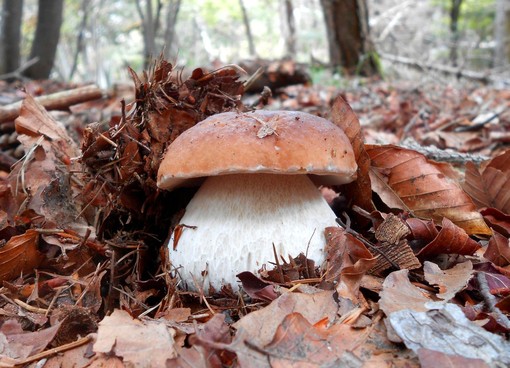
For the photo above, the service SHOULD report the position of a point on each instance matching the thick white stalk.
(239, 217)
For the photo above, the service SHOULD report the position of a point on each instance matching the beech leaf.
(450, 281)
(20, 256)
(406, 179)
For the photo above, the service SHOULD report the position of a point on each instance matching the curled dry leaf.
(359, 191)
(20, 256)
(348, 260)
(497, 220)
(451, 239)
(498, 250)
(406, 179)
(450, 281)
(398, 293)
(490, 188)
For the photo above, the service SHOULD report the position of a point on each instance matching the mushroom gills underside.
(239, 217)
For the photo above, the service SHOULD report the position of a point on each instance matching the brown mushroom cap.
(278, 142)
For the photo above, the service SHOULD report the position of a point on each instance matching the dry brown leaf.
(41, 181)
(498, 250)
(391, 233)
(497, 220)
(348, 260)
(17, 344)
(261, 325)
(491, 187)
(451, 239)
(147, 343)
(405, 179)
(360, 191)
(298, 343)
(450, 281)
(20, 255)
(398, 293)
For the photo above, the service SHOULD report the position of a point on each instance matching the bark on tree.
(454, 29)
(502, 34)
(47, 34)
(85, 8)
(171, 20)
(10, 35)
(350, 46)
(150, 25)
(249, 35)
(290, 28)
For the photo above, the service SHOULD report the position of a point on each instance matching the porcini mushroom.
(259, 169)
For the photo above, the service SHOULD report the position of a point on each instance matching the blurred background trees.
(98, 39)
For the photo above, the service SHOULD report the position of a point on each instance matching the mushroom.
(259, 171)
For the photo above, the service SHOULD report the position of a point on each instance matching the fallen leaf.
(451, 239)
(18, 344)
(433, 359)
(497, 220)
(407, 180)
(20, 256)
(347, 261)
(447, 330)
(398, 293)
(257, 288)
(140, 343)
(498, 250)
(298, 343)
(450, 281)
(359, 191)
(261, 325)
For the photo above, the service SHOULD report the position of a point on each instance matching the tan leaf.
(261, 325)
(450, 281)
(147, 343)
(405, 179)
(20, 256)
(398, 293)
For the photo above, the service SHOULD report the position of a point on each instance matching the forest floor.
(418, 272)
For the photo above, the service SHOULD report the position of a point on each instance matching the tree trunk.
(454, 29)
(150, 24)
(47, 34)
(502, 34)
(85, 8)
(10, 36)
(249, 35)
(290, 28)
(350, 46)
(171, 21)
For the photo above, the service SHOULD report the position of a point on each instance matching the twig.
(490, 301)
(18, 72)
(56, 101)
(47, 353)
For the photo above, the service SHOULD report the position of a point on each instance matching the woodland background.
(94, 41)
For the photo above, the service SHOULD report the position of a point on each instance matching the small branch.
(56, 101)
(18, 73)
(60, 349)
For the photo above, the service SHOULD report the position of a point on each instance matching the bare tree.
(289, 28)
(47, 34)
(150, 25)
(249, 35)
(85, 9)
(171, 21)
(10, 35)
(454, 29)
(350, 45)
(502, 33)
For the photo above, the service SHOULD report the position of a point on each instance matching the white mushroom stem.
(239, 217)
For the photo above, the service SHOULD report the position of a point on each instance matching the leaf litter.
(420, 256)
